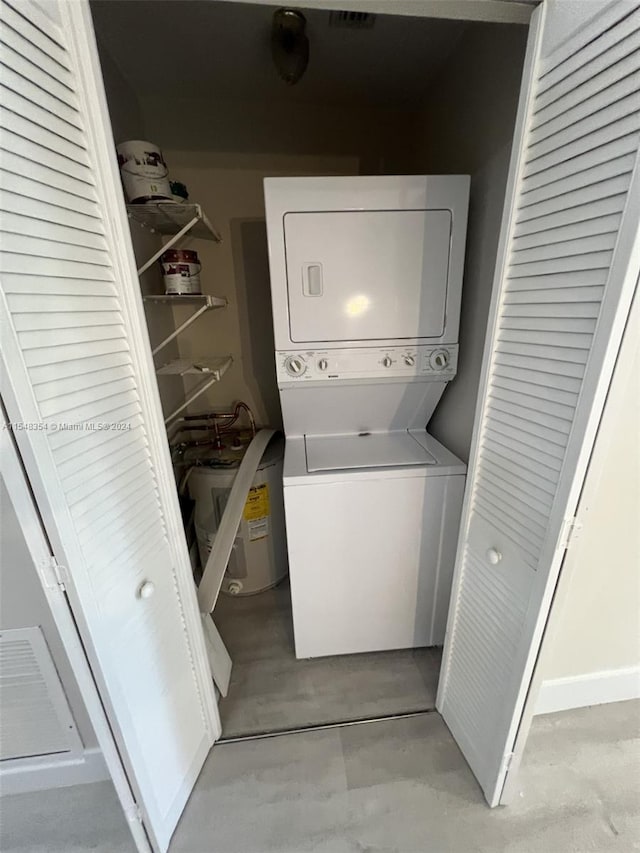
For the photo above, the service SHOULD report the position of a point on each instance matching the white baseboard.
(594, 688)
(22, 775)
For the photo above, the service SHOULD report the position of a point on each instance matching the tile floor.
(396, 786)
(271, 690)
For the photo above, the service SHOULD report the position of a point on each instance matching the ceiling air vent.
(352, 20)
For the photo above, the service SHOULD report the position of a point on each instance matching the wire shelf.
(201, 299)
(213, 367)
(170, 217)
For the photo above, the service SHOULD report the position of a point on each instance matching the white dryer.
(366, 280)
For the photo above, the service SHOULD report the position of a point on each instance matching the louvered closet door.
(78, 369)
(567, 267)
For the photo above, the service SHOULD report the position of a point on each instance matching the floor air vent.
(36, 719)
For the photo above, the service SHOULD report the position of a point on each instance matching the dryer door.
(367, 275)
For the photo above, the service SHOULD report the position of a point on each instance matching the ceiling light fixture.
(289, 44)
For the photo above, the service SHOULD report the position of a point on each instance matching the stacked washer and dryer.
(366, 281)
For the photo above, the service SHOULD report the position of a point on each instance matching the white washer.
(366, 279)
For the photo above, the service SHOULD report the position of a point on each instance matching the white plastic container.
(258, 560)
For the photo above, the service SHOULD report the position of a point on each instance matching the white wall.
(592, 653)
(127, 123)
(124, 107)
(208, 123)
(467, 128)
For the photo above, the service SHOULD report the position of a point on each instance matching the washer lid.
(369, 450)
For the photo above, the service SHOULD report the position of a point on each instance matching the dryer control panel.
(331, 365)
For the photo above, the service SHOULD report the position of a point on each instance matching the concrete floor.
(271, 690)
(391, 787)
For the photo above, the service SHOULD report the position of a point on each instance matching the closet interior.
(381, 95)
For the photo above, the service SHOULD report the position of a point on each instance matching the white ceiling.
(200, 47)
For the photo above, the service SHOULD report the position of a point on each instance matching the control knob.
(323, 364)
(387, 361)
(439, 359)
(409, 360)
(295, 365)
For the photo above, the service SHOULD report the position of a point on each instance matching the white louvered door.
(76, 358)
(567, 267)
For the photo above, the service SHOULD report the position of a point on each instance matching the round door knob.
(439, 359)
(295, 366)
(323, 364)
(146, 589)
(409, 360)
(494, 556)
(386, 361)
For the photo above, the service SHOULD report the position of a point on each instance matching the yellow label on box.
(257, 503)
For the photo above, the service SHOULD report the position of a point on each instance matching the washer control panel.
(416, 362)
